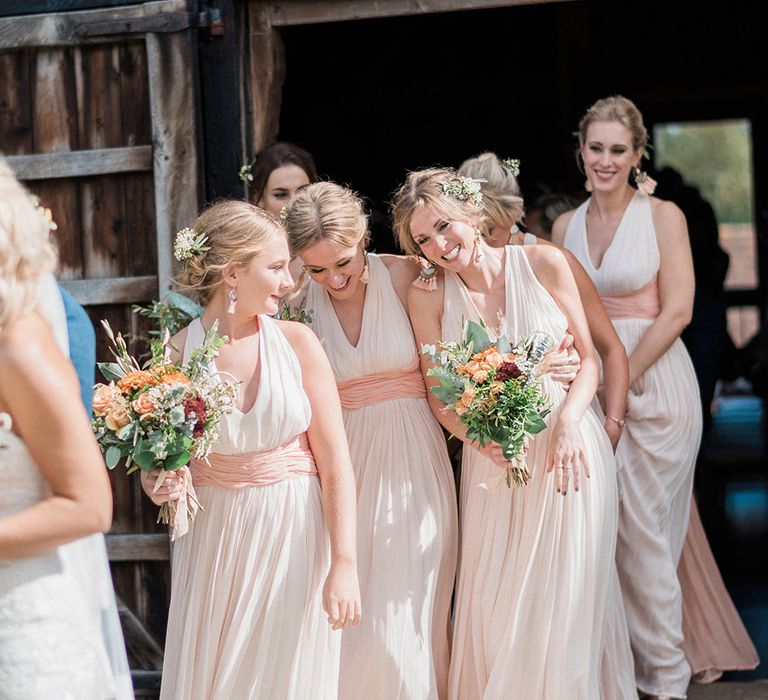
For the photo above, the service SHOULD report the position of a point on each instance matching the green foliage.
(715, 157)
(172, 313)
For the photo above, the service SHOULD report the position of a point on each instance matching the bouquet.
(161, 415)
(493, 388)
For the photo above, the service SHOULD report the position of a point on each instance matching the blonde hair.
(616, 109)
(425, 188)
(502, 201)
(26, 250)
(325, 211)
(236, 232)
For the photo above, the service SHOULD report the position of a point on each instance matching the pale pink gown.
(536, 597)
(406, 501)
(656, 454)
(246, 619)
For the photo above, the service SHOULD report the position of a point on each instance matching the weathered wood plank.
(15, 103)
(97, 161)
(141, 645)
(293, 12)
(149, 547)
(174, 138)
(61, 28)
(264, 58)
(116, 290)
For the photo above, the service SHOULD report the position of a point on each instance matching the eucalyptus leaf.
(113, 456)
(111, 371)
(478, 336)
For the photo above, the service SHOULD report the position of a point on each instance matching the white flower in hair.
(464, 189)
(511, 164)
(189, 243)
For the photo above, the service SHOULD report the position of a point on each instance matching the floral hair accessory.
(511, 164)
(44, 212)
(246, 172)
(283, 215)
(465, 189)
(189, 243)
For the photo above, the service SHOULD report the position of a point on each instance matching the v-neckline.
(489, 329)
(619, 226)
(337, 320)
(261, 363)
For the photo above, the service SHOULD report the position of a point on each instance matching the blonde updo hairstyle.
(26, 250)
(424, 188)
(502, 201)
(325, 211)
(236, 232)
(616, 109)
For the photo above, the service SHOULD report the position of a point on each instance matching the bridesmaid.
(407, 532)
(535, 568)
(277, 172)
(254, 574)
(503, 211)
(644, 273)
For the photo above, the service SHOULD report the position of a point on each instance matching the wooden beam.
(293, 12)
(116, 290)
(140, 643)
(61, 28)
(173, 109)
(99, 161)
(137, 547)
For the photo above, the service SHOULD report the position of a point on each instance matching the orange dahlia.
(175, 378)
(135, 380)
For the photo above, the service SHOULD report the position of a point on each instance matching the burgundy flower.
(508, 370)
(194, 405)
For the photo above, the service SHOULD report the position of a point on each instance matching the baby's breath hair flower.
(44, 212)
(511, 164)
(464, 189)
(246, 172)
(189, 243)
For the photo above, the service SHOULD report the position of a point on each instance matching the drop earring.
(645, 183)
(364, 273)
(232, 301)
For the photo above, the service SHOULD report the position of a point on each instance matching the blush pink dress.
(537, 595)
(656, 455)
(406, 524)
(246, 618)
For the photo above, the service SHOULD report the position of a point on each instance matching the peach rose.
(118, 417)
(143, 404)
(480, 376)
(494, 359)
(103, 396)
(459, 408)
(468, 396)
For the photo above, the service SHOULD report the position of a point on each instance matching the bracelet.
(620, 423)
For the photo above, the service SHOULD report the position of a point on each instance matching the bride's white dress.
(60, 634)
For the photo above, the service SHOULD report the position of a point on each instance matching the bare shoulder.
(669, 222)
(549, 256)
(300, 337)
(400, 264)
(30, 357)
(560, 226)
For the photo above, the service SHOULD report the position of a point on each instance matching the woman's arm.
(328, 441)
(39, 389)
(566, 446)
(676, 287)
(609, 347)
(425, 310)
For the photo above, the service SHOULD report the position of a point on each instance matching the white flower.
(189, 243)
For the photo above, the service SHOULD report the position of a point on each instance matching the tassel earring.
(427, 279)
(232, 302)
(364, 273)
(645, 183)
(478, 249)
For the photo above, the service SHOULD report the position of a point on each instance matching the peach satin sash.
(642, 303)
(403, 383)
(290, 460)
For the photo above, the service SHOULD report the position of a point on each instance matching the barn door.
(97, 117)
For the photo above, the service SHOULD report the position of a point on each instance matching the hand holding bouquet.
(493, 389)
(160, 416)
